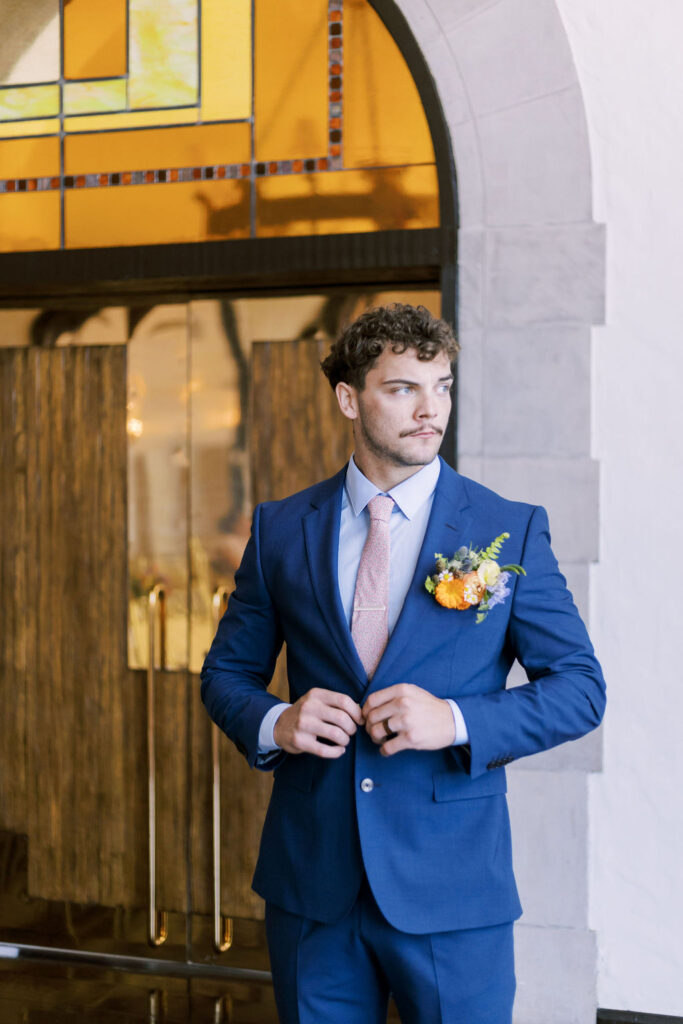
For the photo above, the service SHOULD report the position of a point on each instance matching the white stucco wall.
(627, 55)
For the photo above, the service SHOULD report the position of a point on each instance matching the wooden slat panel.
(15, 647)
(75, 619)
(297, 436)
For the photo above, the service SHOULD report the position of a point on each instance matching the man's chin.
(418, 455)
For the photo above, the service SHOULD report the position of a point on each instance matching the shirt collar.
(409, 495)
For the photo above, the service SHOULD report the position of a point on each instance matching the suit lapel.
(450, 524)
(321, 532)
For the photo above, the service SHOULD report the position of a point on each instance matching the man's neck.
(382, 475)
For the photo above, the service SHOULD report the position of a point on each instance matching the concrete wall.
(628, 60)
(532, 279)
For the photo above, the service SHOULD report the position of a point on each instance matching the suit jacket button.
(367, 785)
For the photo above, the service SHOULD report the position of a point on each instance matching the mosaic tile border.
(335, 24)
(167, 175)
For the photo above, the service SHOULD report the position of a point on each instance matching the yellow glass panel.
(343, 201)
(15, 129)
(140, 119)
(163, 53)
(196, 146)
(291, 73)
(94, 38)
(29, 49)
(226, 59)
(29, 221)
(29, 101)
(384, 121)
(87, 97)
(29, 158)
(194, 211)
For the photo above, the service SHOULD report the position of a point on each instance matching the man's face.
(401, 414)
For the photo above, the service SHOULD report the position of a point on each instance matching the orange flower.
(460, 594)
(449, 593)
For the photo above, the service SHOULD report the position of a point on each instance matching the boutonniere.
(472, 577)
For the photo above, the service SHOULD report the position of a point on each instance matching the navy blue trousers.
(343, 973)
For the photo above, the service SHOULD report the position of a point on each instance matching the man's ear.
(347, 396)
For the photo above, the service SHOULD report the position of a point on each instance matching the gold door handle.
(157, 930)
(222, 926)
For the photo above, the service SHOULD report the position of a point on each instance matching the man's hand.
(318, 715)
(406, 717)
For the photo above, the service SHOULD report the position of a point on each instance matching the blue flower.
(500, 591)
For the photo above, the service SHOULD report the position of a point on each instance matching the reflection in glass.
(158, 474)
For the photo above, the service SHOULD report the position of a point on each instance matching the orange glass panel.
(29, 158)
(384, 121)
(203, 145)
(290, 68)
(226, 59)
(29, 222)
(139, 119)
(195, 211)
(94, 38)
(18, 129)
(344, 201)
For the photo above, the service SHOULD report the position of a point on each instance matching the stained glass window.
(129, 122)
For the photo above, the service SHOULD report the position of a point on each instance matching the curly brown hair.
(399, 325)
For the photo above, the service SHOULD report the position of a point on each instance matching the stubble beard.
(390, 454)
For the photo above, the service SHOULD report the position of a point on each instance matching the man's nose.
(426, 409)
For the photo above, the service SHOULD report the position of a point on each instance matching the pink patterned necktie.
(369, 624)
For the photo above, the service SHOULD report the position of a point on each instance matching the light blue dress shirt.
(413, 500)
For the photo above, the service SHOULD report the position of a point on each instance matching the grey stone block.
(469, 173)
(471, 466)
(556, 976)
(549, 819)
(536, 391)
(510, 52)
(584, 755)
(568, 488)
(546, 274)
(471, 278)
(446, 73)
(451, 12)
(577, 576)
(536, 161)
(469, 402)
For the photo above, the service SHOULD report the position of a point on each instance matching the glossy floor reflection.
(51, 993)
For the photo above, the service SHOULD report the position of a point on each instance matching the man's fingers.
(309, 744)
(340, 701)
(380, 698)
(393, 746)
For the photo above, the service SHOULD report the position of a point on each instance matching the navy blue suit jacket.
(433, 834)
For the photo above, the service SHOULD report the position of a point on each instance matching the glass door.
(135, 443)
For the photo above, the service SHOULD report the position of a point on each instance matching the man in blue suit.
(385, 860)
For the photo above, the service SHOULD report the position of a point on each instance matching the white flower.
(488, 573)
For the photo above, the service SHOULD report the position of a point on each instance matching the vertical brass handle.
(157, 931)
(222, 926)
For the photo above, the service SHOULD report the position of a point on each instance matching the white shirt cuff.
(461, 734)
(266, 740)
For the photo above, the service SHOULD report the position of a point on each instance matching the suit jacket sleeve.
(565, 695)
(241, 660)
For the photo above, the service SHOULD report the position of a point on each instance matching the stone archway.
(531, 285)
